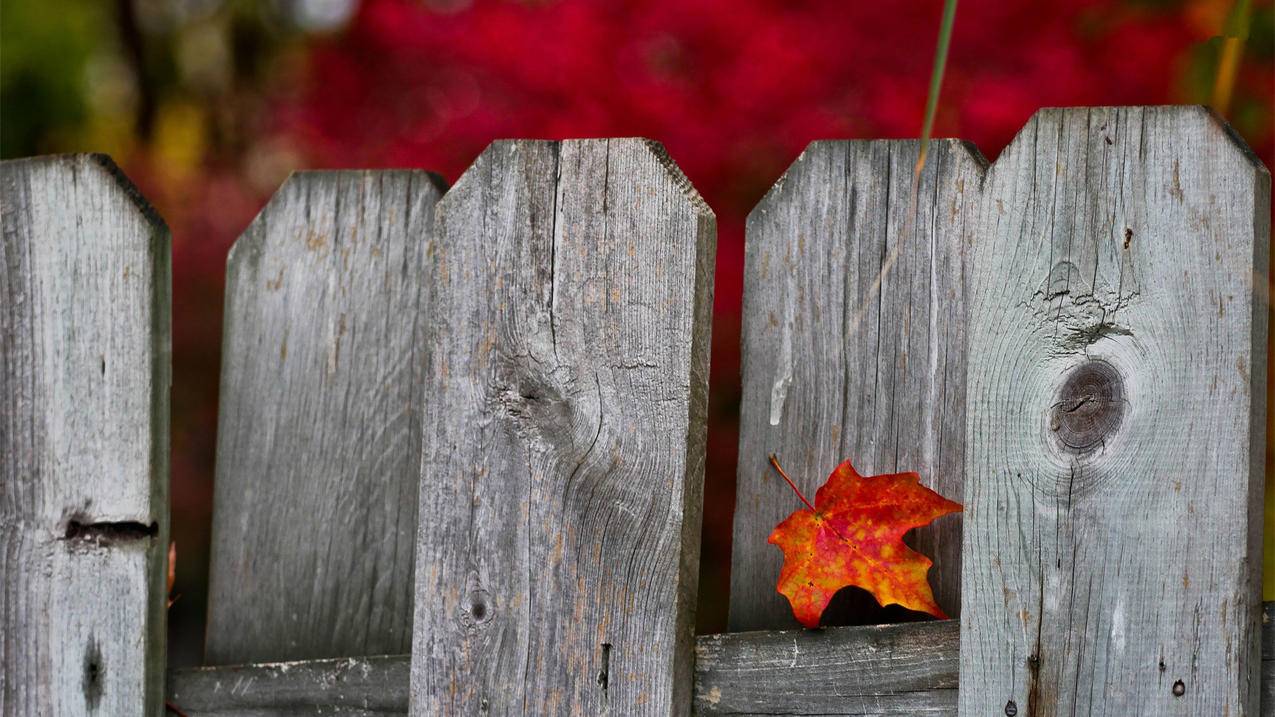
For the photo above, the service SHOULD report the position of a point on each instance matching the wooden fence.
(461, 442)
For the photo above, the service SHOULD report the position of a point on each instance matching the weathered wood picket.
(462, 432)
(84, 378)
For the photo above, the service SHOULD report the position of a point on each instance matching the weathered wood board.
(883, 669)
(347, 686)
(905, 669)
(84, 380)
(318, 446)
(836, 367)
(1114, 440)
(564, 433)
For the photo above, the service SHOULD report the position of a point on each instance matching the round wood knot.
(476, 608)
(1090, 406)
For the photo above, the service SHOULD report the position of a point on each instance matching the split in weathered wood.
(318, 450)
(882, 669)
(570, 287)
(84, 381)
(1116, 381)
(836, 366)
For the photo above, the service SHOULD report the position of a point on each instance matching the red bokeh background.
(734, 89)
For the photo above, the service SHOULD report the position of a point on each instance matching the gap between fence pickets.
(910, 668)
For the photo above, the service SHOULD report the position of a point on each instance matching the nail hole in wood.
(476, 609)
(1179, 688)
(1011, 709)
(1090, 406)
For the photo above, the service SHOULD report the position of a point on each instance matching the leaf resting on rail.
(853, 535)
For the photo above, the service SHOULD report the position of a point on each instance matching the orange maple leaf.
(853, 535)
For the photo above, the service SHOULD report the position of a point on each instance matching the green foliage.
(45, 52)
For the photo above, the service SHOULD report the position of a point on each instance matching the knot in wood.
(1090, 406)
(476, 609)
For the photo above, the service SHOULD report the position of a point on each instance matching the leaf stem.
(936, 80)
(774, 461)
(1234, 34)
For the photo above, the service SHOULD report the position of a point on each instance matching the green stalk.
(927, 128)
(936, 78)
(1228, 64)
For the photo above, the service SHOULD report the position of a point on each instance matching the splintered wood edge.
(791, 672)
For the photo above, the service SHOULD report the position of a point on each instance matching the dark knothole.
(1090, 406)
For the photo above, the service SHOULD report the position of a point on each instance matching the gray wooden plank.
(906, 668)
(564, 434)
(1268, 659)
(343, 686)
(318, 446)
(900, 669)
(84, 379)
(834, 368)
(1116, 393)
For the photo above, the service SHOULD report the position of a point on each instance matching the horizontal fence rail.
(905, 669)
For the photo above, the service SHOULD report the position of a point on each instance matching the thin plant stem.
(927, 128)
(1234, 34)
(936, 81)
(774, 461)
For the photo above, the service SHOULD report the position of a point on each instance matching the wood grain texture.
(904, 669)
(564, 434)
(1268, 659)
(84, 380)
(834, 369)
(351, 686)
(318, 449)
(1112, 553)
(882, 669)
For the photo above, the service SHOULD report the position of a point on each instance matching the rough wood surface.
(834, 368)
(1115, 438)
(564, 434)
(344, 686)
(84, 379)
(318, 446)
(902, 669)
(1268, 659)
(880, 669)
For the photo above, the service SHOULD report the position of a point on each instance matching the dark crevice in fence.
(110, 533)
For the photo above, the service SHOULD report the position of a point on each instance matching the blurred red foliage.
(733, 88)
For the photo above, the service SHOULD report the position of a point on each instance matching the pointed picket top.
(84, 383)
(318, 455)
(846, 359)
(1116, 377)
(564, 432)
